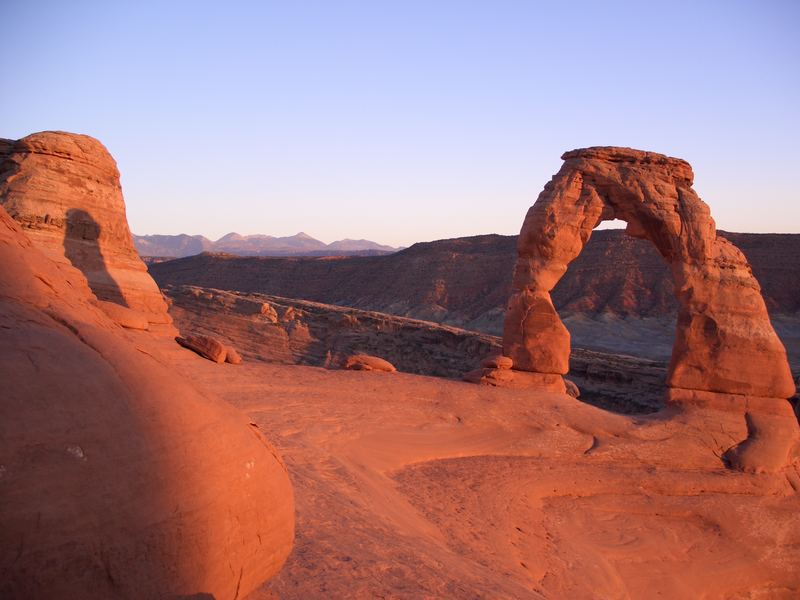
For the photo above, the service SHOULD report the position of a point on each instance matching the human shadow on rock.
(82, 249)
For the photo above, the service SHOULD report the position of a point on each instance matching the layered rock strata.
(64, 190)
(290, 331)
(725, 344)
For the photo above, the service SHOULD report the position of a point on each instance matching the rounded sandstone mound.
(64, 190)
(118, 479)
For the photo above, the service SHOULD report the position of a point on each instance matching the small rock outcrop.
(210, 348)
(232, 357)
(365, 362)
(205, 346)
(725, 344)
(64, 190)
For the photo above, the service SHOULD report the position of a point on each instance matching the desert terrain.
(300, 444)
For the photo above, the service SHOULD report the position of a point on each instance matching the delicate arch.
(725, 342)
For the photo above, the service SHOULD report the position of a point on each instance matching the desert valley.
(562, 414)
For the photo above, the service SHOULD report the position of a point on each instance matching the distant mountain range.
(302, 244)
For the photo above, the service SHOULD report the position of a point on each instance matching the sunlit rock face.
(725, 343)
(64, 190)
(118, 478)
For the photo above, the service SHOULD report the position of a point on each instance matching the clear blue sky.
(406, 121)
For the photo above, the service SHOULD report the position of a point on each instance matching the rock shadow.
(82, 249)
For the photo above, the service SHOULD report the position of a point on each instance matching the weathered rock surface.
(364, 362)
(283, 330)
(232, 356)
(415, 487)
(274, 329)
(725, 342)
(506, 378)
(498, 361)
(205, 346)
(118, 478)
(124, 316)
(64, 190)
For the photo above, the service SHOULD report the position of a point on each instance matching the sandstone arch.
(726, 351)
(725, 341)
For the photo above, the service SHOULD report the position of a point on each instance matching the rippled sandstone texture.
(118, 479)
(725, 344)
(64, 190)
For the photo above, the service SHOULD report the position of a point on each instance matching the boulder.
(119, 479)
(497, 361)
(205, 346)
(365, 362)
(64, 190)
(232, 356)
(572, 388)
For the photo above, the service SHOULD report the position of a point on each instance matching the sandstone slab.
(365, 362)
(205, 346)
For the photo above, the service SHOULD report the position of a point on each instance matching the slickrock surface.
(64, 190)
(283, 330)
(118, 479)
(415, 487)
(725, 345)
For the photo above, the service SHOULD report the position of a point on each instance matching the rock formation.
(617, 295)
(64, 190)
(117, 478)
(725, 344)
(365, 362)
(205, 346)
(210, 348)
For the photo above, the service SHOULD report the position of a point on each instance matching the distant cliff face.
(283, 330)
(467, 281)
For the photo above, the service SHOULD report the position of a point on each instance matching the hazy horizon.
(409, 122)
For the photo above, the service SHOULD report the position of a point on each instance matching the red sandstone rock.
(773, 434)
(364, 362)
(205, 346)
(64, 190)
(508, 378)
(572, 388)
(725, 342)
(232, 356)
(126, 317)
(497, 362)
(119, 479)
